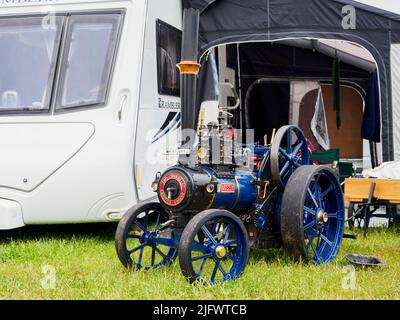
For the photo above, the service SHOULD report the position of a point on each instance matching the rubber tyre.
(292, 211)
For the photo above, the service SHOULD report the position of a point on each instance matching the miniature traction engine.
(225, 197)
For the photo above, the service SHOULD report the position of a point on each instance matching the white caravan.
(83, 85)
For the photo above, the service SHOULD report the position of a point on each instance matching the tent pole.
(240, 84)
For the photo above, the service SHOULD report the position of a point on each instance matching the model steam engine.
(212, 179)
(225, 196)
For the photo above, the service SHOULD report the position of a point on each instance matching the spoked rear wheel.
(312, 215)
(289, 151)
(213, 248)
(142, 240)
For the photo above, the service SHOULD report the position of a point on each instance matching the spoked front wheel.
(312, 215)
(213, 248)
(144, 240)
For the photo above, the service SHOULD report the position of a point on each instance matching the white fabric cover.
(387, 170)
(319, 125)
(298, 90)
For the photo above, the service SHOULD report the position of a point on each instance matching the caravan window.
(28, 57)
(88, 58)
(169, 43)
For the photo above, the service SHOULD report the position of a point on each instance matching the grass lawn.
(86, 267)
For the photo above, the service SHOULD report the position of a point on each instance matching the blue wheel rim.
(208, 261)
(148, 244)
(323, 218)
(294, 154)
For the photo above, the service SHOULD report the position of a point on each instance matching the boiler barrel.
(237, 194)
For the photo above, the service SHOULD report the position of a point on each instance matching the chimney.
(189, 69)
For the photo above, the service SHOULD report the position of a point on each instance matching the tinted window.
(89, 54)
(169, 54)
(28, 57)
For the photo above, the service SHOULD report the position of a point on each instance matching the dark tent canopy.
(238, 21)
(266, 72)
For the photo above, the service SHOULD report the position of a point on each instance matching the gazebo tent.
(275, 77)
(378, 31)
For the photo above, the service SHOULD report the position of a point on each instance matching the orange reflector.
(189, 67)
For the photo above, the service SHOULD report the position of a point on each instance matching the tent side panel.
(395, 57)
(395, 31)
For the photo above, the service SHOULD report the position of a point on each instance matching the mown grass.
(87, 267)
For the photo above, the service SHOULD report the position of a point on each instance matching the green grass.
(87, 267)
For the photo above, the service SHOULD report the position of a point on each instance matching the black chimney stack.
(189, 68)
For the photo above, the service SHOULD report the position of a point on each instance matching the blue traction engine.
(225, 197)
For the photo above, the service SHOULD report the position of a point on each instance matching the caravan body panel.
(75, 162)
